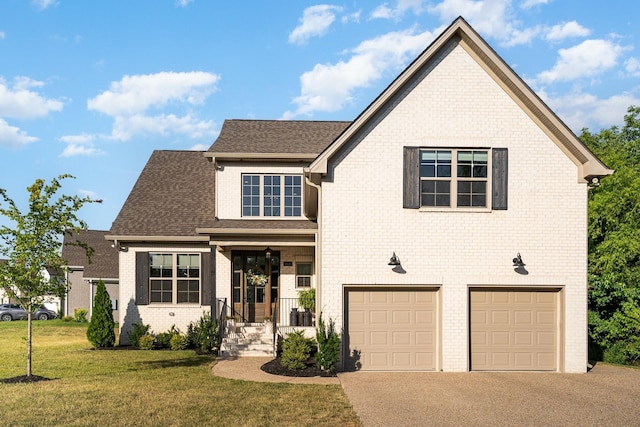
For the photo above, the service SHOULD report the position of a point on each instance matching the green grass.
(132, 387)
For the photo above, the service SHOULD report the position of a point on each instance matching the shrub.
(80, 315)
(146, 342)
(67, 319)
(178, 342)
(328, 345)
(100, 332)
(296, 349)
(139, 330)
(163, 340)
(203, 334)
(307, 299)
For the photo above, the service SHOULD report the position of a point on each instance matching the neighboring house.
(83, 276)
(445, 228)
(51, 302)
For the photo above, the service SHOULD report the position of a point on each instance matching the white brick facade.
(457, 105)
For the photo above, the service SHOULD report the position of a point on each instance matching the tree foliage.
(614, 243)
(100, 332)
(32, 244)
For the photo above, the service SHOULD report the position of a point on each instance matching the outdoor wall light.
(394, 261)
(267, 253)
(517, 261)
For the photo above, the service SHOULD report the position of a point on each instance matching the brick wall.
(453, 105)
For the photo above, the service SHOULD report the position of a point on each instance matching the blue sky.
(91, 88)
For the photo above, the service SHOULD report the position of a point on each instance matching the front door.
(255, 284)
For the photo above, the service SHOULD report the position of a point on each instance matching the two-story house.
(443, 229)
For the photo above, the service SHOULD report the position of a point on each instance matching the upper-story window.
(272, 195)
(454, 178)
(471, 179)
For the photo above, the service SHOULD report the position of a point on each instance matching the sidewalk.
(248, 369)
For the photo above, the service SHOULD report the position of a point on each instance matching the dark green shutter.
(499, 173)
(142, 278)
(411, 178)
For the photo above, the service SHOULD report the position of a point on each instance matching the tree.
(100, 332)
(614, 206)
(33, 245)
(614, 243)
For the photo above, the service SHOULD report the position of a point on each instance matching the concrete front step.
(247, 340)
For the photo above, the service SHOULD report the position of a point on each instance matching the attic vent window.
(271, 195)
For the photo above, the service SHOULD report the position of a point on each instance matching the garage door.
(392, 330)
(514, 330)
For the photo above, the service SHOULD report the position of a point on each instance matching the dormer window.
(271, 195)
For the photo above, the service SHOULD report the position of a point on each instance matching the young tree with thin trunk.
(32, 244)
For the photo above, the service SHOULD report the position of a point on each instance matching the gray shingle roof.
(173, 196)
(276, 136)
(104, 261)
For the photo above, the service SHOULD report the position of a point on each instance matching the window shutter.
(207, 283)
(500, 172)
(142, 278)
(411, 176)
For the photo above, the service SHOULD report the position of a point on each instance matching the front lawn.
(133, 387)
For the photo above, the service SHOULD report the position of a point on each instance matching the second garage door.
(514, 330)
(392, 329)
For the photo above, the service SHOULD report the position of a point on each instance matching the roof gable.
(173, 196)
(104, 262)
(589, 166)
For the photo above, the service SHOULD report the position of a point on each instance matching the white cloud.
(199, 147)
(587, 59)
(583, 110)
(78, 139)
(2, 34)
(315, 22)
(74, 149)
(183, 3)
(328, 87)
(402, 6)
(135, 94)
(13, 137)
(18, 101)
(125, 128)
(528, 4)
(44, 4)
(632, 65)
(566, 30)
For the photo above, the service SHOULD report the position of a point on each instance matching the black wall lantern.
(517, 261)
(267, 253)
(394, 261)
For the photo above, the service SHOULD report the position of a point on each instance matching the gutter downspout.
(318, 251)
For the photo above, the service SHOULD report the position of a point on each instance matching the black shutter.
(142, 278)
(207, 283)
(411, 178)
(500, 173)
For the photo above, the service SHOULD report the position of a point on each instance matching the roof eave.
(240, 156)
(143, 238)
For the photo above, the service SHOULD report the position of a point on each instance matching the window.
(174, 278)
(272, 195)
(455, 178)
(303, 274)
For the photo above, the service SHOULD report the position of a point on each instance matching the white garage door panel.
(514, 330)
(392, 329)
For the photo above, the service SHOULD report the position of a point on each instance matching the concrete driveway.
(606, 396)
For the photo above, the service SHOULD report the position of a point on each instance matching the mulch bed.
(275, 367)
(24, 379)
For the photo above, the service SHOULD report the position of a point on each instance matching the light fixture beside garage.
(394, 261)
(517, 261)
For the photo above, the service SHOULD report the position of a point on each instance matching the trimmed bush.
(100, 332)
(139, 330)
(178, 342)
(328, 345)
(296, 349)
(203, 334)
(146, 342)
(80, 315)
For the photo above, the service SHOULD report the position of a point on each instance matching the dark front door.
(255, 284)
